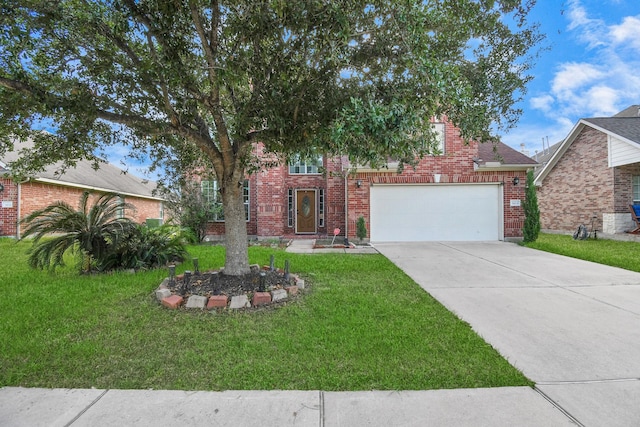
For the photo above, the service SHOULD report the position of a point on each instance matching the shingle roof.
(500, 152)
(107, 178)
(626, 127)
(632, 111)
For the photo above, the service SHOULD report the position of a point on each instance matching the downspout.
(18, 210)
(346, 205)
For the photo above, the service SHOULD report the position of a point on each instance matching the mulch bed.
(222, 284)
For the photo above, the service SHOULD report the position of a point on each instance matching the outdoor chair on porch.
(635, 215)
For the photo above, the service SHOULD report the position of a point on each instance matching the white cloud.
(591, 30)
(542, 103)
(573, 76)
(606, 80)
(627, 34)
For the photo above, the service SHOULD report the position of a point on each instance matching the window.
(438, 128)
(636, 189)
(161, 213)
(120, 210)
(321, 207)
(290, 208)
(211, 195)
(309, 166)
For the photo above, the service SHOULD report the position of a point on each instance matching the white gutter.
(88, 187)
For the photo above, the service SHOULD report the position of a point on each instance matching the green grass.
(609, 252)
(362, 324)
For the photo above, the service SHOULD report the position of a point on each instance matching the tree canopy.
(194, 83)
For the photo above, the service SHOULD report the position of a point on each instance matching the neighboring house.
(466, 193)
(543, 157)
(594, 175)
(19, 199)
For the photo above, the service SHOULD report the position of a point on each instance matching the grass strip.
(615, 253)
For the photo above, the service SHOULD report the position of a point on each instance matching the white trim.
(89, 187)
(441, 184)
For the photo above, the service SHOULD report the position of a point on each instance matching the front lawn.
(362, 325)
(609, 252)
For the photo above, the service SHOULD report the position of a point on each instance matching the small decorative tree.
(361, 229)
(531, 227)
(190, 208)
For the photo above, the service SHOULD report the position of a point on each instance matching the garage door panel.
(435, 212)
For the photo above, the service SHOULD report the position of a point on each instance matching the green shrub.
(361, 228)
(531, 228)
(91, 232)
(146, 247)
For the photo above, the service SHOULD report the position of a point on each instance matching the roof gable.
(624, 129)
(107, 178)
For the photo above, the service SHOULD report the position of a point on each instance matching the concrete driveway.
(571, 326)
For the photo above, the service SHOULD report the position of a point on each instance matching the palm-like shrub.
(92, 231)
(146, 247)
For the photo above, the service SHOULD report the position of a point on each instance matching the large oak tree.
(194, 83)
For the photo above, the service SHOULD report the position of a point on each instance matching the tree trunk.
(237, 257)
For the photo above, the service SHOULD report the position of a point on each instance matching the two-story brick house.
(468, 192)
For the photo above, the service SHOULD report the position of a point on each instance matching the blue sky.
(591, 68)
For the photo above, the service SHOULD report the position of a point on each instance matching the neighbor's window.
(120, 210)
(636, 189)
(212, 196)
(309, 166)
(438, 128)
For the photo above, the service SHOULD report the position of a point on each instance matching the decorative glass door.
(306, 219)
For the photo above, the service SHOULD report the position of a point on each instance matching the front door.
(306, 211)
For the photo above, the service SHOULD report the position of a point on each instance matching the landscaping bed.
(215, 290)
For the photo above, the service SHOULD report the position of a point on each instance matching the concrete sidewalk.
(509, 406)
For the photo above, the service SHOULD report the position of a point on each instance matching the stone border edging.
(174, 301)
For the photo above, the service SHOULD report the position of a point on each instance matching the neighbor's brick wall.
(35, 195)
(623, 181)
(9, 215)
(581, 185)
(454, 166)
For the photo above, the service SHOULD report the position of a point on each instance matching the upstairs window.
(438, 128)
(305, 167)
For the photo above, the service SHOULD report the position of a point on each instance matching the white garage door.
(410, 213)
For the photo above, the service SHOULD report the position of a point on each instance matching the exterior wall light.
(359, 183)
(516, 180)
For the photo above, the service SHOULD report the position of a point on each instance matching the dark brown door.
(305, 211)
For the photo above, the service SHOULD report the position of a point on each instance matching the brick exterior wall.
(582, 185)
(269, 190)
(37, 195)
(455, 165)
(269, 199)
